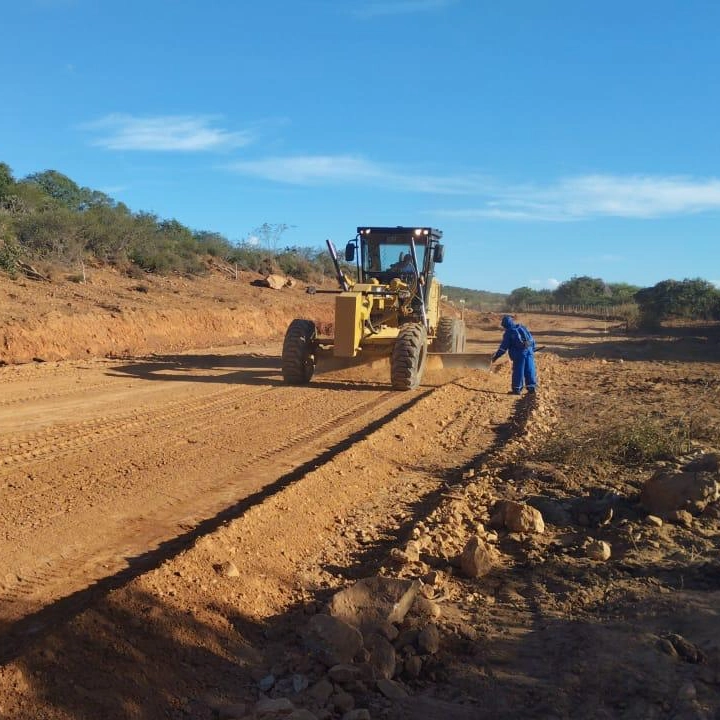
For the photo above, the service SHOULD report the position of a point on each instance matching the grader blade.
(477, 361)
(326, 362)
(329, 363)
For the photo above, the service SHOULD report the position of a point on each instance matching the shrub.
(694, 298)
(629, 313)
(642, 440)
(213, 244)
(646, 440)
(10, 255)
(252, 257)
(52, 234)
(107, 233)
(153, 259)
(293, 263)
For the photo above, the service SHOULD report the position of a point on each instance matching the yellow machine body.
(368, 317)
(390, 309)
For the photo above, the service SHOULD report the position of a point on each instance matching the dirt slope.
(175, 519)
(115, 315)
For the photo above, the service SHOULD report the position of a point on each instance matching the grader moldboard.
(391, 310)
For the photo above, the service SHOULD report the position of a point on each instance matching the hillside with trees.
(48, 220)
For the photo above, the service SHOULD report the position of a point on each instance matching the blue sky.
(546, 139)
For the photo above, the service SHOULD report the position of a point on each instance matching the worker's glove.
(494, 358)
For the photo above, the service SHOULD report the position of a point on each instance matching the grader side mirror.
(350, 252)
(439, 253)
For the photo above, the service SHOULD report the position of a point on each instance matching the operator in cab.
(404, 266)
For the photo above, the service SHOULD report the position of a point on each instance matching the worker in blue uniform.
(519, 343)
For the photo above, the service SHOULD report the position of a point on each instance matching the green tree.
(524, 297)
(67, 192)
(694, 298)
(57, 186)
(622, 293)
(480, 300)
(107, 232)
(29, 197)
(163, 246)
(582, 290)
(52, 233)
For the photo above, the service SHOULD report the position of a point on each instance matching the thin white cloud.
(398, 7)
(593, 196)
(493, 213)
(351, 170)
(310, 169)
(568, 199)
(185, 133)
(634, 196)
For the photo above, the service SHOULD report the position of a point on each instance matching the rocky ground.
(453, 553)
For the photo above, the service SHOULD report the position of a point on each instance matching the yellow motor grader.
(390, 309)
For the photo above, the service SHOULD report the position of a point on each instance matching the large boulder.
(478, 557)
(517, 517)
(374, 602)
(331, 640)
(275, 282)
(668, 491)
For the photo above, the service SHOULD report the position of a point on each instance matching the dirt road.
(108, 466)
(172, 522)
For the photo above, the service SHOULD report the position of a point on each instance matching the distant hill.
(481, 300)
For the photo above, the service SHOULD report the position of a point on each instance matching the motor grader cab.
(391, 308)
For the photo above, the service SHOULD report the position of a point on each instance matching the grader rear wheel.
(450, 336)
(298, 353)
(444, 340)
(409, 355)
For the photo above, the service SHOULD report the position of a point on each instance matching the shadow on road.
(249, 369)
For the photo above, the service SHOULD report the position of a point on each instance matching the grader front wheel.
(409, 355)
(298, 353)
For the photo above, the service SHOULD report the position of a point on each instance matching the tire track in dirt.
(56, 394)
(53, 442)
(149, 446)
(75, 567)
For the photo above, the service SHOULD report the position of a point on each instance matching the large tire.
(444, 339)
(450, 337)
(409, 355)
(298, 353)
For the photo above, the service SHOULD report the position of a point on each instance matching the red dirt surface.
(174, 516)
